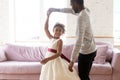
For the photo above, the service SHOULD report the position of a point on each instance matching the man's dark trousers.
(84, 65)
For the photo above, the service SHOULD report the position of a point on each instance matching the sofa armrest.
(116, 64)
(2, 55)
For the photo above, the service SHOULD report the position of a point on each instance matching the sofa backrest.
(67, 50)
(24, 53)
(36, 53)
(31, 53)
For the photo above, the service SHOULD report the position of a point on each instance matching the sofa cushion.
(24, 53)
(2, 55)
(101, 54)
(15, 67)
(105, 68)
(99, 69)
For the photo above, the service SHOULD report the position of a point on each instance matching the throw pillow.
(101, 54)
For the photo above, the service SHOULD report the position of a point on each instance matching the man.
(84, 48)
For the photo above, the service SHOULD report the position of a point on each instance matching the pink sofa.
(23, 62)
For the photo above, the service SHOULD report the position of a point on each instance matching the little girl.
(54, 67)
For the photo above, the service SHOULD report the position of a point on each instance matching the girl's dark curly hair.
(60, 25)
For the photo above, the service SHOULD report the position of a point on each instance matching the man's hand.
(44, 61)
(70, 67)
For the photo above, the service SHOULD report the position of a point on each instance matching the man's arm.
(63, 10)
(79, 37)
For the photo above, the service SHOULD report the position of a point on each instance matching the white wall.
(4, 21)
(102, 14)
(102, 17)
(101, 10)
(102, 20)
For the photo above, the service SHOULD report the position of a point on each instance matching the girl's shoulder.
(59, 41)
(55, 40)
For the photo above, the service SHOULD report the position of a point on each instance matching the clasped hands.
(50, 10)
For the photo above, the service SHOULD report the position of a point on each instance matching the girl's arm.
(59, 50)
(46, 27)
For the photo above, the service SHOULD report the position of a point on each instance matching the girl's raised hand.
(49, 12)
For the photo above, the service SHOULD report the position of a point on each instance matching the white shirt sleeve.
(67, 10)
(63, 10)
(79, 37)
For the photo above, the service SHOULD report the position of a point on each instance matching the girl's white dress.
(57, 69)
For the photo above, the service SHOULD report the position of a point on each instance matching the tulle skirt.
(57, 69)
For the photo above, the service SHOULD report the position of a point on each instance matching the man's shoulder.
(83, 16)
